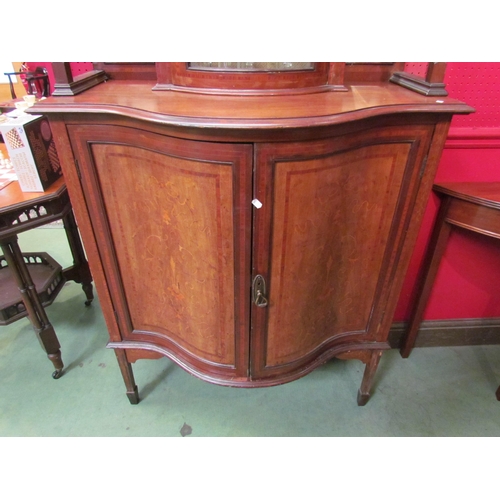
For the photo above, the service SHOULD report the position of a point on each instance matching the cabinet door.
(327, 242)
(172, 220)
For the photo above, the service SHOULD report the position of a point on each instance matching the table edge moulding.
(250, 237)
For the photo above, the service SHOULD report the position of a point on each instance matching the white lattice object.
(7, 173)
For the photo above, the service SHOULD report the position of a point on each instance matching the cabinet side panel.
(80, 208)
(172, 232)
(333, 217)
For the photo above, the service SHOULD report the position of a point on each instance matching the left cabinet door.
(171, 219)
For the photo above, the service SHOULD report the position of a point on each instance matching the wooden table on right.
(474, 206)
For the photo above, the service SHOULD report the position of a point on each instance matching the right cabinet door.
(327, 241)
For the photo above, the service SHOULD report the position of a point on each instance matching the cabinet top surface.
(138, 100)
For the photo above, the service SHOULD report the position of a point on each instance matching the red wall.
(468, 280)
(77, 68)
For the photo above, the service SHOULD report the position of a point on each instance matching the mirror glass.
(252, 66)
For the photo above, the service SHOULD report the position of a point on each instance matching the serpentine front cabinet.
(249, 238)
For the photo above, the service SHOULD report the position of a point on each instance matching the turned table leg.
(368, 376)
(36, 312)
(128, 376)
(79, 272)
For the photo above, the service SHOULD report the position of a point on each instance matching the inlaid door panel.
(179, 213)
(333, 208)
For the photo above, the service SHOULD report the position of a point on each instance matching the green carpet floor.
(435, 392)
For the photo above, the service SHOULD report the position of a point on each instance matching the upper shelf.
(249, 78)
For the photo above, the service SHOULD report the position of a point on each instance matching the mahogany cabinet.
(249, 238)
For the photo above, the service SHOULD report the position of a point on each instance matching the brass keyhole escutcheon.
(259, 291)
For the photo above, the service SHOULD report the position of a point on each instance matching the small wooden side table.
(469, 205)
(20, 212)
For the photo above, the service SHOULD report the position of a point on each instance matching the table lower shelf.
(47, 276)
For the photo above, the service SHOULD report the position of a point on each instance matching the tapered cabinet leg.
(128, 376)
(369, 375)
(498, 393)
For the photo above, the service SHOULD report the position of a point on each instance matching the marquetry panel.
(332, 221)
(176, 263)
